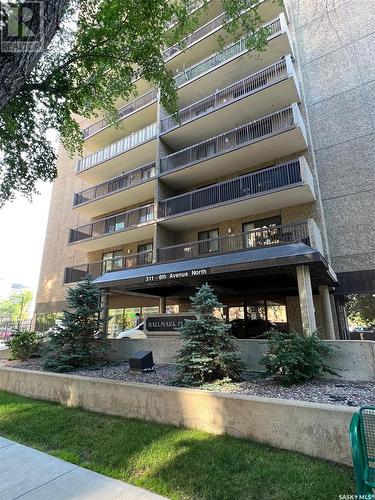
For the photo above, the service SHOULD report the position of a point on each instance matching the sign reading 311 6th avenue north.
(172, 276)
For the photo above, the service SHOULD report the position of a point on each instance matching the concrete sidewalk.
(30, 474)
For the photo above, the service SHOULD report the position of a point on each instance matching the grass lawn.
(174, 462)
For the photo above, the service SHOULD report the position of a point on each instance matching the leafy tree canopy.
(16, 307)
(98, 52)
(361, 309)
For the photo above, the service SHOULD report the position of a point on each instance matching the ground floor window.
(45, 321)
(124, 318)
(260, 315)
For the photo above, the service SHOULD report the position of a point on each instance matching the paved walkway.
(29, 474)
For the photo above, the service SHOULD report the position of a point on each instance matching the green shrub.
(22, 344)
(209, 352)
(293, 358)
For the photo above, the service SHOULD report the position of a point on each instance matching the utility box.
(141, 361)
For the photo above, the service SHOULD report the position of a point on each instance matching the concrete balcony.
(259, 94)
(132, 116)
(280, 134)
(130, 152)
(78, 273)
(133, 225)
(285, 185)
(232, 63)
(284, 234)
(205, 39)
(134, 186)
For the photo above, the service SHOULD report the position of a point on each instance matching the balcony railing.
(204, 30)
(125, 110)
(236, 138)
(261, 181)
(117, 148)
(95, 269)
(263, 237)
(244, 87)
(224, 55)
(123, 181)
(113, 224)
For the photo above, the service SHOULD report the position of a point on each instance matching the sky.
(22, 228)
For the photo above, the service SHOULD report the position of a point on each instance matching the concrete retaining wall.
(313, 429)
(352, 359)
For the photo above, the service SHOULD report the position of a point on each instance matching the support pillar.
(329, 327)
(306, 300)
(104, 310)
(163, 305)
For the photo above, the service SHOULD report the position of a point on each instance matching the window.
(261, 238)
(210, 242)
(112, 261)
(146, 249)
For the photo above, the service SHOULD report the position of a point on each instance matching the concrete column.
(306, 299)
(162, 305)
(329, 327)
(104, 310)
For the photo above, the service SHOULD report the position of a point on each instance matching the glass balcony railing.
(117, 148)
(252, 184)
(123, 181)
(113, 224)
(247, 86)
(124, 111)
(246, 134)
(257, 238)
(223, 56)
(95, 269)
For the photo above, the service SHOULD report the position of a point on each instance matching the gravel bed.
(329, 391)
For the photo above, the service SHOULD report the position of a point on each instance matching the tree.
(16, 307)
(361, 309)
(209, 351)
(78, 340)
(93, 61)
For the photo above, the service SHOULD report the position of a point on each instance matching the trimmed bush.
(293, 358)
(209, 351)
(22, 344)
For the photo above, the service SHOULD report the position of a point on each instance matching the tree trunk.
(15, 66)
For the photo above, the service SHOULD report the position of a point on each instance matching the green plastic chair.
(362, 442)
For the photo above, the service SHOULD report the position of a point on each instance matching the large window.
(146, 249)
(261, 238)
(112, 261)
(209, 240)
(124, 318)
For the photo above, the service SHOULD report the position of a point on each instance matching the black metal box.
(141, 361)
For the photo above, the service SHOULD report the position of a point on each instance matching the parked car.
(133, 333)
(252, 328)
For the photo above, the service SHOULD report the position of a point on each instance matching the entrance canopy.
(267, 270)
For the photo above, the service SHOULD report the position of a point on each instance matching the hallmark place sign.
(178, 275)
(167, 322)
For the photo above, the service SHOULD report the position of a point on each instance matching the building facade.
(263, 186)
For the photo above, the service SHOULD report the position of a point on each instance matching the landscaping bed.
(175, 462)
(329, 391)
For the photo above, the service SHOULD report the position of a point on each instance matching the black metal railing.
(125, 110)
(113, 224)
(246, 134)
(123, 181)
(95, 269)
(247, 86)
(261, 181)
(263, 237)
(232, 50)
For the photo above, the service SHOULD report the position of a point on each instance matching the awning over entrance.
(274, 261)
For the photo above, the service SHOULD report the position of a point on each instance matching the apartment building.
(262, 187)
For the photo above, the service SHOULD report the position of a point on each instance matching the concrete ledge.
(313, 429)
(352, 359)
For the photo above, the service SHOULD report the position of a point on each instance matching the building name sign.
(167, 323)
(172, 276)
